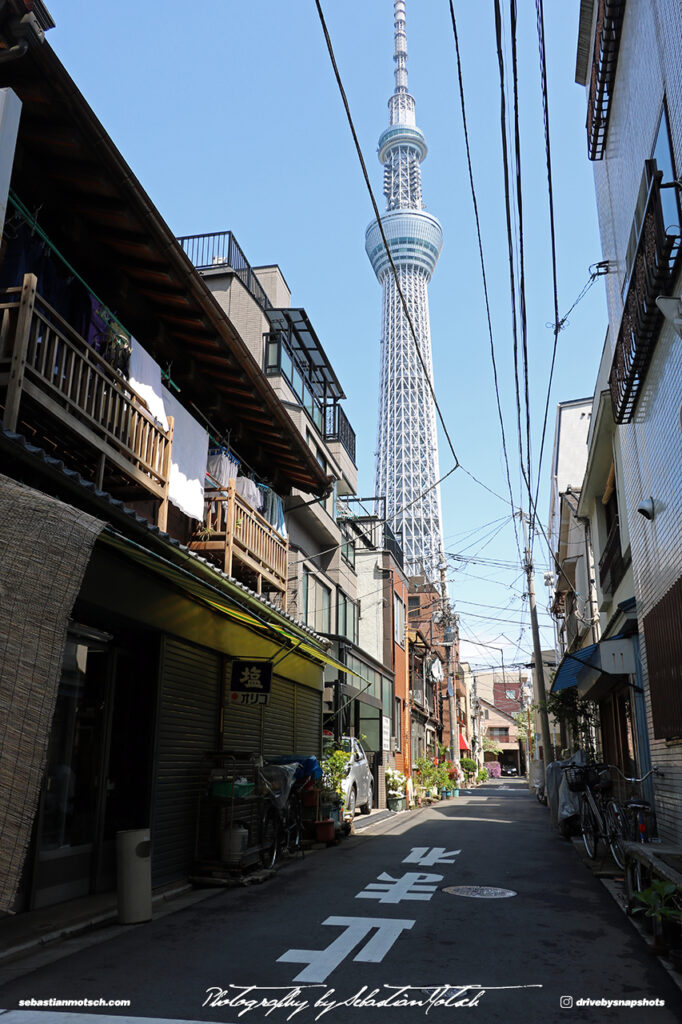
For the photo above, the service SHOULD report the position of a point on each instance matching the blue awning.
(612, 656)
(572, 665)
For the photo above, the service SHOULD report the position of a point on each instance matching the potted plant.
(395, 789)
(334, 770)
(455, 777)
(658, 904)
(469, 767)
(426, 772)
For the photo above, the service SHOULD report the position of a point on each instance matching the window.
(510, 694)
(398, 620)
(398, 723)
(368, 679)
(347, 617)
(272, 351)
(316, 603)
(663, 156)
(499, 733)
(347, 547)
(387, 700)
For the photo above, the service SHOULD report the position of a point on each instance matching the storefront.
(142, 696)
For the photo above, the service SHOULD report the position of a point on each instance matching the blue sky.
(230, 117)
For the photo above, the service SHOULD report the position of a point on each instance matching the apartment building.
(629, 60)
(127, 655)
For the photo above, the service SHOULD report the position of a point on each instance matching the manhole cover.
(481, 892)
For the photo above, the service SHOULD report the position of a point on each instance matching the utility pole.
(452, 705)
(537, 652)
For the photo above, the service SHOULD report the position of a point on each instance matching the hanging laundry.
(145, 378)
(273, 509)
(249, 490)
(188, 459)
(222, 466)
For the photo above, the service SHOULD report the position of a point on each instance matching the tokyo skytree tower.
(407, 447)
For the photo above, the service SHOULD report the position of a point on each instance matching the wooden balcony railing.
(241, 541)
(657, 260)
(46, 363)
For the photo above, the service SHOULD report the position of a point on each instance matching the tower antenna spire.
(400, 46)
(406, 470)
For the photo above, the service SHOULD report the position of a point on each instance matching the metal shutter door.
(308, 721)
(242, 723)
(188, 722)
(278, 732)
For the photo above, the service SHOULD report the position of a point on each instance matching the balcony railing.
(655, 266)
(77, 400)
(393, 545)
(220, 249)
(604, 61)
(337, 428)
(611, 564)
(244, 544)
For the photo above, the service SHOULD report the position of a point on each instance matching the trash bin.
(134, 875)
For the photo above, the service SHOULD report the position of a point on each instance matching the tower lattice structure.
(407, 446)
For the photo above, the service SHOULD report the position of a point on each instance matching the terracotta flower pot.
(324, 831)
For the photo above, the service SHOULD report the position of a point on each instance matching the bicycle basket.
(600, 779)
(576, 777)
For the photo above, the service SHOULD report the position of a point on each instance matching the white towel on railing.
(188, 459)
(145, 377)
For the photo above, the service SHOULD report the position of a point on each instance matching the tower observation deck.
(407, 446)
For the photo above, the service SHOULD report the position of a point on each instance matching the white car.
(358, 786)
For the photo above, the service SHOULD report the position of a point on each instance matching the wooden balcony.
(244, 544)
(58, 390)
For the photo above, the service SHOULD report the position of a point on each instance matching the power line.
(375, 207)
(510, 234)
(550, 193)
(482, 261)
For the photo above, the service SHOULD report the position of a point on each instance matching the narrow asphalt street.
(371, 921)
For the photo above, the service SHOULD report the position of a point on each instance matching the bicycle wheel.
(589, 828)
(269, 837)
(617, 831)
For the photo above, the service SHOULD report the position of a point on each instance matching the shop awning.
(585, 668)
(229, 598)
(463, 743)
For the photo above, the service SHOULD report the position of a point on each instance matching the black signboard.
(250, 682)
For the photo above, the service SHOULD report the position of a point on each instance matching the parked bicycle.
(281, 824)
(602, 816)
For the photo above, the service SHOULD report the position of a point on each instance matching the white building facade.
(630, 61)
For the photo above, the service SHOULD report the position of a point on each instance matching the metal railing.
(238, 537)
(393, 545)
(221, 249)
(655, 266)
(338, 428)
(604, 61)
(44, 359)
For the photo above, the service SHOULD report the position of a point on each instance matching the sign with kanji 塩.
(250, 682)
